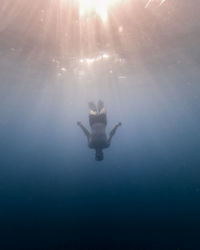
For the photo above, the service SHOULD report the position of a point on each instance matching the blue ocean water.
(146, 192)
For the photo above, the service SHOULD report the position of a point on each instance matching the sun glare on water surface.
(100, 7)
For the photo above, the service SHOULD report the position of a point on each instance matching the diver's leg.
(93, 118)
(97, 118)
(100, 106)
(104, 116)
(101, 118)
(92, 106)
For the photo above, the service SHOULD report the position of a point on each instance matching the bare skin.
(97, 138)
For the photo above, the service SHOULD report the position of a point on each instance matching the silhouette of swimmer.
(97, 139)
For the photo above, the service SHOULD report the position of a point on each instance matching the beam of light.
(162, 2)
(150, 1)
(100, 7)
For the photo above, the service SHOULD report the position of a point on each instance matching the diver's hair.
(99, 155)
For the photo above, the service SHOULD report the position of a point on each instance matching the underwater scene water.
(144, 63)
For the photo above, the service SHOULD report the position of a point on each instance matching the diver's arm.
(86, 132)
(112, 132)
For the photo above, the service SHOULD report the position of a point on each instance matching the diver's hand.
(79, 123)
(119, 124)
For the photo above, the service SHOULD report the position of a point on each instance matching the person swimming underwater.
(97, 139)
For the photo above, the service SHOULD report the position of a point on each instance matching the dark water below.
(144, 195)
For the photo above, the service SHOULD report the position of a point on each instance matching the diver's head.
(99, 155)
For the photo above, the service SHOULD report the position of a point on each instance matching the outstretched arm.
(86, 132)
(112, 132)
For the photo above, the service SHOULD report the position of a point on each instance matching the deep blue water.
(146, 192)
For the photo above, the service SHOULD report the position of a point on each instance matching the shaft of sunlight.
(96, 6)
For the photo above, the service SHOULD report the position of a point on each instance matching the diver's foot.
(93, 112)
(92, 106)
(100, 106)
